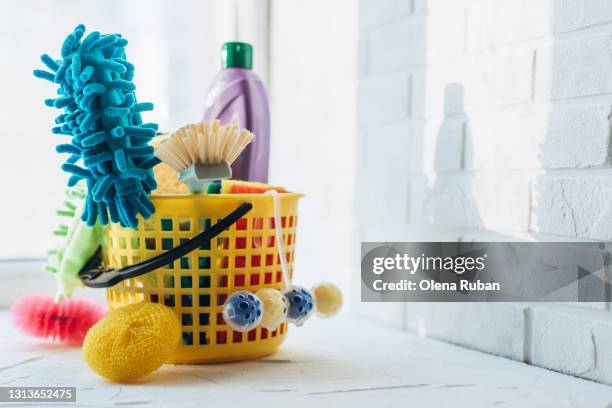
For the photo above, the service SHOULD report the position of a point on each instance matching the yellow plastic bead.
(274, 307)
(328, 299)
(132, 341)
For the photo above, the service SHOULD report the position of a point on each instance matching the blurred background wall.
(170, 46)
(486, 120)
(313, 88)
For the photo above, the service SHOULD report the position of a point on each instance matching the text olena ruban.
(412, 264)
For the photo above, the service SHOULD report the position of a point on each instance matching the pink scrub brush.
(67, 321)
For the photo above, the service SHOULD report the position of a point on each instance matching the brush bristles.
(67, 321)
(205, 143)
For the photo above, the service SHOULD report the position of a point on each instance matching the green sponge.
(80, 243)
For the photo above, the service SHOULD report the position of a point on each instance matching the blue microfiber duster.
(102, 116)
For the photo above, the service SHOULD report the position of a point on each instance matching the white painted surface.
(488, 120)
(313, 84)
(354, 364)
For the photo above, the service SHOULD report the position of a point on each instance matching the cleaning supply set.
(202, 270)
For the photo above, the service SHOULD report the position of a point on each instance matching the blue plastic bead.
(102, 116)
(243, 311)
(301, 304)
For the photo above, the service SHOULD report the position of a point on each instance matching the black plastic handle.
(106, 277)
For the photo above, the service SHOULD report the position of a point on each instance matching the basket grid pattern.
(243, 257)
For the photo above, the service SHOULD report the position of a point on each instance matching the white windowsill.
(342, 361)
(19, 277)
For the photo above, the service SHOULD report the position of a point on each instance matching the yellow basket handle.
(100, 277)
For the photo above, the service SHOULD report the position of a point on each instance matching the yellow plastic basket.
(243, 257)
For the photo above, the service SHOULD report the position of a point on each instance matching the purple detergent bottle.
(238, 96)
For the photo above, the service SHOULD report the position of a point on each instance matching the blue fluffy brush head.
(108, 138)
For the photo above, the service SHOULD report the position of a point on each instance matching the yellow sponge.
(165, 176)
(132, 341)
(167, 180)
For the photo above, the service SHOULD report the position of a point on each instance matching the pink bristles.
(67, 321)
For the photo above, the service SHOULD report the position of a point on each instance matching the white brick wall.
(488, 120)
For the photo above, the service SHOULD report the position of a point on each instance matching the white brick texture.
(397, 46)
(585, 351)
(383, 11)
(384, 99)
(581, 66)
(489, 120)
(586, 129)
(576, 207)
(471, 325)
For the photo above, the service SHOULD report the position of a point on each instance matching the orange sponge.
(247, 187)
(132, 341)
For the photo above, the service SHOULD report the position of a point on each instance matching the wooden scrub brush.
(203, 152)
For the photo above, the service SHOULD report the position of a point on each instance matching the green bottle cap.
(237, 55)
